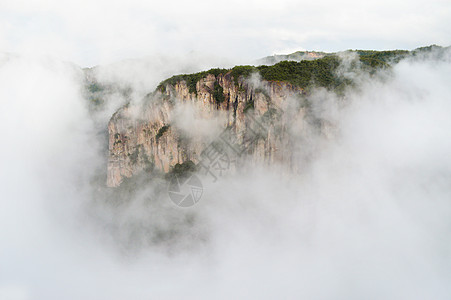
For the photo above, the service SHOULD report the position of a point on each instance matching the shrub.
(218, 93)
(182, 170)
(190, 79)
(244, 71)
(304, 74)
(161, 131)
(94, 87)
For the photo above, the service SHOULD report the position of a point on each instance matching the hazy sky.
(95, 32)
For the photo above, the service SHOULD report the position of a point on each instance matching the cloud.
(369, 215)
(107, 31)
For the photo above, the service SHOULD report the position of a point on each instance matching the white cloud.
(369, 216)
(97, 32)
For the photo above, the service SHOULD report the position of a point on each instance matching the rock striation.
(147, 137)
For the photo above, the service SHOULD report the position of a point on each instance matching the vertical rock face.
(148, 138)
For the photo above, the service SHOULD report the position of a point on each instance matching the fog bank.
(368, 216)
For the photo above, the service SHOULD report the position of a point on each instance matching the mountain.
(295, 56)
(229, 119)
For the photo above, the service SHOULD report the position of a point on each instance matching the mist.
(368, 217)
(103, 32)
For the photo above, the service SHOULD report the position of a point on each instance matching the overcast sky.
(96, 32)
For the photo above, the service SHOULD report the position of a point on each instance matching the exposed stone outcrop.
(145, 137)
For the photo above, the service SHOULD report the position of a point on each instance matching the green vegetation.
(94, 87)
(117, 139)
(305, 74)
(97, 93)
(96, 101)
(94, 92)
(249, 105)
(381, 57)
(427, 48)
(190, 79)
(437, 51)
(161, 131)
(319, 72)
(218, 93)
(182, 170)
(244, 71)
(140, 154)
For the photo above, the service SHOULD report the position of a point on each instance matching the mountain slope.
(154, 137)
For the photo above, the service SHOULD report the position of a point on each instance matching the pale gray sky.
(97, 32)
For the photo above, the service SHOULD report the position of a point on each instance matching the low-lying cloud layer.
(368, 217)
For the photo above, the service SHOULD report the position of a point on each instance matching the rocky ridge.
(146, 138)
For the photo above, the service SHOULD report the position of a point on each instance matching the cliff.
(146, 137)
